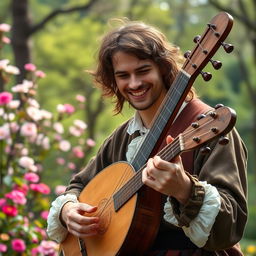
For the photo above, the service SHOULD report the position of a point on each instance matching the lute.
(117, 198)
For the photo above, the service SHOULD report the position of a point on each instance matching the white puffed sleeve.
(55, 230)
(200, 227)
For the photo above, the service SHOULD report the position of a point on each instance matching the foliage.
(28, 135)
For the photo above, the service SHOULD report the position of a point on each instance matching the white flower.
(4, 132)
(80, 124)
(61, 108)
(23, 88)
(34, 113)
(26, 161)
(3, 64)
(58, 127)
(14, 104)
(33, 103)
(64, 145)
(46, 114)
(12, 70)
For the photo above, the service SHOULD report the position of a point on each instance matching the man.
(204, 213)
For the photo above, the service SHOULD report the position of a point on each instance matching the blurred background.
(61, 38)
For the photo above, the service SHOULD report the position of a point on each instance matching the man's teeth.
(138, 93)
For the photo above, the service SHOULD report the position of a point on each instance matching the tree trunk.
(20, 35)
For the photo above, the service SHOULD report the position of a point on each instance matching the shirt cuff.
(199, 228)
(55, 230)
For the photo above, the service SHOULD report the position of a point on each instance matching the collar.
(135, 124)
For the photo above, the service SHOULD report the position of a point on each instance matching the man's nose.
(134, 82)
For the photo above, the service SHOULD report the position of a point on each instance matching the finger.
(169, 139)
(82, 207)
(83, 230)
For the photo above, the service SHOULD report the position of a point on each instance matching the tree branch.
(248, 23)
(56, 12)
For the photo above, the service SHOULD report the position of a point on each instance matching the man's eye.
(122, 76)
(143, 71)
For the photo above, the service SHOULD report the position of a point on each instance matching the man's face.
(139, 81)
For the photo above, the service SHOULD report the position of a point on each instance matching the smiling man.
(204, 212)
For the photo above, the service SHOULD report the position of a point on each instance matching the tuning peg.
(195, 125)
(227, 47)
(206, 75)
(196, 139)
(218, 106)
(216, 64)
(187, 54)
(205, 150)
(201, 116)
(197, 39)
(214, 130)
(223, 140)
(213, 114)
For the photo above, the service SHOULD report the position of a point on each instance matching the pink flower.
(30, 67)
(40, 74)
(6, 40)
(5, 98)
(2, 202)
(18, 245)
(90, 142)
(31, 177)
(60, 189)
(80, 98)
(3, 248)
(10, 210)
(17, 197)
(69, 109)
(60, 161)
(28, 129)
(44, 215)
(41, 188)
(71, 166)
(78, 152)
(22, 188)
(5, 27)
(48, 248)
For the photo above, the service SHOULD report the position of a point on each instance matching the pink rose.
(44, 215)
(31, 177)
(17, 197)
(5, 98)
(18, 245)
(3, 248)
(40, 74)
(60, 189)
(69, 109)
(10, 210)
(30, 67)
(90, 142)
(41, 188)
(78, 152)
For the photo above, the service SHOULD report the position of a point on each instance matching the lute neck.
(167, 112)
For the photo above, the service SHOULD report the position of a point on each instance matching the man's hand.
(168, 178)
(78, 224)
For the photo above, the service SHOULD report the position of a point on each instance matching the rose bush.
(28, 134)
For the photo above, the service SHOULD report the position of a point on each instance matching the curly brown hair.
(143, 41)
